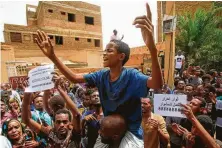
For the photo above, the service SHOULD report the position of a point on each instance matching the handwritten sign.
(40, 78)
(169, 105)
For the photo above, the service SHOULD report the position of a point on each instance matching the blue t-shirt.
(122, 96)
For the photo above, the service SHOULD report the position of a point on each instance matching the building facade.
(74, 28)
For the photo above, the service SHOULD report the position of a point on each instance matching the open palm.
(45, 44)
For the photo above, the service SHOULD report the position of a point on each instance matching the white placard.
(169, 104)
(40, 78)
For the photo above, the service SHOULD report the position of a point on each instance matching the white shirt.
(5, 142)
(114, 37)
(179, 61)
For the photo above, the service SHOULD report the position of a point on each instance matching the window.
(59, 40)
(50, 36)
(89, 20)
(97, 43)
(76, 39)
(71, 17)
(34, 36)
(88, 40)
(50, 10)
(16, 37)
(63, 13)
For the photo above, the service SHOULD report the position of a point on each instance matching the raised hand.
(45, 44)
(59, 81)
(147, 29)
(188, 111)
(179, 130)
(153, 124)
(90, 118)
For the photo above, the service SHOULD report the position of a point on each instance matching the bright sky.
(116, 14)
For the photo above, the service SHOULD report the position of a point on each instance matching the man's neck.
(40, 109)
(115, 72)
(147, 115)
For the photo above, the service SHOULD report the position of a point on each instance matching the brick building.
(74, 28)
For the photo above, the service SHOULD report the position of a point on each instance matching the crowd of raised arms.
(113, 107)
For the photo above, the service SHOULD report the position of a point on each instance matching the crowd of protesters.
(113, 108)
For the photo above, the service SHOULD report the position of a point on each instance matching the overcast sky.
(116, 14)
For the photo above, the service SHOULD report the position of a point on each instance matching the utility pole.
(170, 48)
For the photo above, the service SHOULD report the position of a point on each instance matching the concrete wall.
(7, 54)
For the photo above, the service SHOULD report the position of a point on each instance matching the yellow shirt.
(151, 137)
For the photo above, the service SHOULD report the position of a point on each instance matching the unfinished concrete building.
(74, 28)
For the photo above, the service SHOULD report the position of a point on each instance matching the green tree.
(200, 38)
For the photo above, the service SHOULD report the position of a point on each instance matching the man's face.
(95, 97)
(115, 32)
(185, 74)
(195, 105)
(189, 90)
(81, 94)
(111, 57)
(146, 105)
(105, 134)
(3, 107)
(86, 101)
(62, 125)
(200, 90)
(197, 73)
(206, 81)
(220, 74)
(181, 85)
(38, 103)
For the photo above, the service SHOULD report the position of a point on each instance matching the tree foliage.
(200, 38)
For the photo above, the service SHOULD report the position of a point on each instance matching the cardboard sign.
(14, 81)
(40, 78)
(169, 104)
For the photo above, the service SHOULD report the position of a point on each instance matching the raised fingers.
(39, 36)
(148, 11)
(45, 37)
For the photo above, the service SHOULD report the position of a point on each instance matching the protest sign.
(169, 104)
(40, 78)
(14, 81)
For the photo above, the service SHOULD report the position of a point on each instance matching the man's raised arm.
(45, 45)
(146, 26)
(26, 113)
